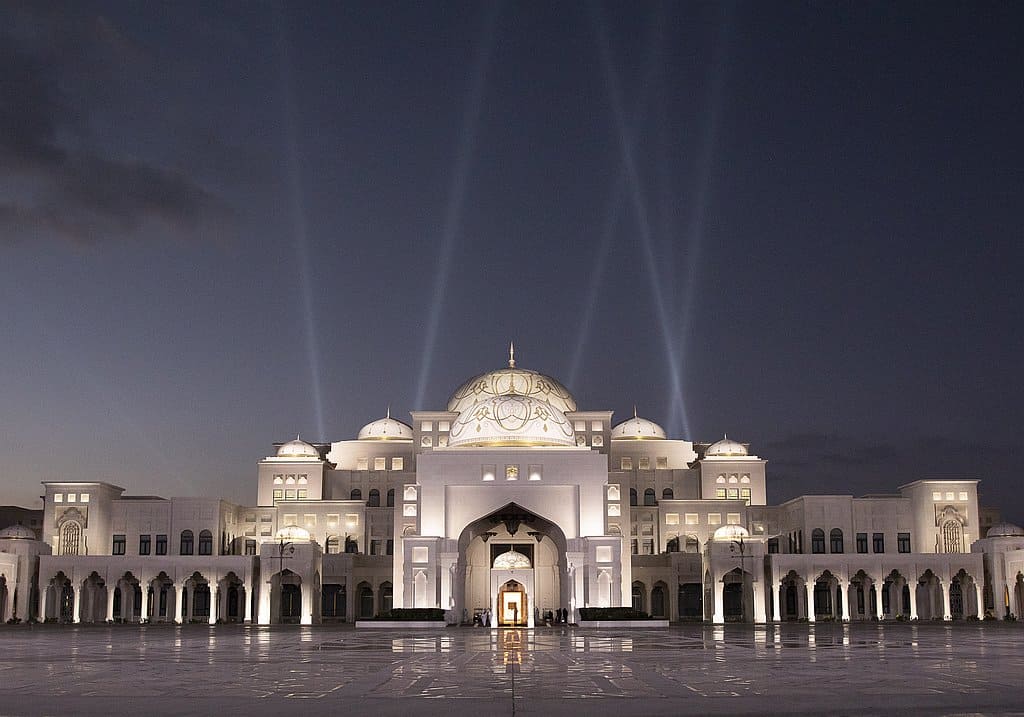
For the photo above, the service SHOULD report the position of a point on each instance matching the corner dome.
(511, 381)
(293, 534)
(17, 532)
(731, 532)
(511, 420)
(726, 448)
(1005, 530)
(385, 429)
(637, 429)
(298, 449)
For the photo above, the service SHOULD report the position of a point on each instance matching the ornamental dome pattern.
(17, 532)
(293, 534)
(511, 381)
(726, 448)
(385, 429)
(512, 560)
(511, 420)
(730, 532)
(298, 449)
(1005, 530)
(638, 429)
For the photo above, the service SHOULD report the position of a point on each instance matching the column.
(808, 601)
(223, 596)
(179, 603)
(144, 608)
(307, 603)
(719, 589)
(980, 598)
(76, 602)
(877, 589)
(44, 595)
(243, 595)
(913, 599)
(778, 603)
(759, 602)
(946, 612)
(9, 607)
(264, 611)
(110, 601)
(127, 602)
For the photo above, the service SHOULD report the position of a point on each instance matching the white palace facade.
(516, 501)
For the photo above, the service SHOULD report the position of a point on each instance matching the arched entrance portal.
(511, 546)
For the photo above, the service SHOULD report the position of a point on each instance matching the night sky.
(225, 224)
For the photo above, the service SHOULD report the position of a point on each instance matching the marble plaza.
(694, 669)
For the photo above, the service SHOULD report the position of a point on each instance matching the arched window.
(691, 544)
(835, 539)
(632, 496)
(187, 543)
(952, 537)
(356, 494)
(71, 538)
(391, 498)
(374, 501)
(205, 543)
(673, 545)
(667, 494)
(649, 497)
(333, 545)
(817, 540)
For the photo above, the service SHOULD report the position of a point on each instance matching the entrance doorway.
(291, 603)
(512, 605)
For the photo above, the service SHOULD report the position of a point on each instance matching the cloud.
(51, 183)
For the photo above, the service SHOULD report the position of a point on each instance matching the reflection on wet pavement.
(681, 669)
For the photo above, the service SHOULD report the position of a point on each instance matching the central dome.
(511, 381)
(511, 420)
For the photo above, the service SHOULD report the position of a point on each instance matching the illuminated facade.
(512, 502)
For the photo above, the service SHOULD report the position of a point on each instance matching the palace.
(513, 502)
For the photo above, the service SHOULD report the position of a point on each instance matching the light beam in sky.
(457, 195)
(301, 229)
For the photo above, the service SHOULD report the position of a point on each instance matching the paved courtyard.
(232, 670)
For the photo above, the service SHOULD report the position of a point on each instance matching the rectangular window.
(444, 426)
(250, 547)
(119, 543)
(645, 463)
(534, 472)
(614, 509)
(648, 547)
(409, 493)
(950, 495)
(420, 554)
(362, 464)
(161, 545)
(714, 518)
(375, 546)
(633, 546)
(732, 518)
(398, 463)
(579, 425)
(73, 497)
(409, 510)
(720, 493)
(671, 518)
(302, 494)
(773, 546)
(427, 426)
(626, 463)
(58, 497)
(289, 494)
(734, 493)
(613, 492)
(596, 426)
(745, 493)
(486, 472)
(862, 542)
(278, 493)
(878, 543)
(291, 519)
(352, 519)
(936, 495)
(963, 495)
(903, 542)
(380, 463)
(389, 547)
(604, 553)
(692, 519)
(84, 497)
(144, 543)
(310, 520)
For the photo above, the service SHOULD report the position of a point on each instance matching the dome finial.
(389, 410)
(511, 355)
(634, 411)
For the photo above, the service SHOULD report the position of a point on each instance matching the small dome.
(297, 449)
(637, 429)
(17, 532)
(511, 381)
(725, 448)
(293, 534)
(385, 429)
(731, 532)
(511, 420)
(1005, 530)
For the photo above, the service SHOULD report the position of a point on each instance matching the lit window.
(626, 463)
(303, 494)
(426, 442)
(579, 425)
(950, 495)
(745, 493)
(289, 495)
(604, 553)
(398, 464)
(73, 497)
(720, 479)
(487, 472)
(291, 519)
(58, 497)
(744, 478)
(443, 426)
(732, 518)
(734, 493)
(692, 519)
(720, 493)
(963, 495)
(351, 519)
(645, 463)
(936, 495)
(671, 518)
(303, 479)
(278, 480)
(597, 440)
(427, 426)
(596, 426)
(290, 480)
(614, 509)
(310, 519)
(714, 518)
(332, 520)
(534, 473)
(661, 463)
(613, 492)
(733, 478)
(361, 464)
(380, 463)
(410, 492)
(420, 554)
(278, 493)
(511, 472)
(84, 497)
(409, 510)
